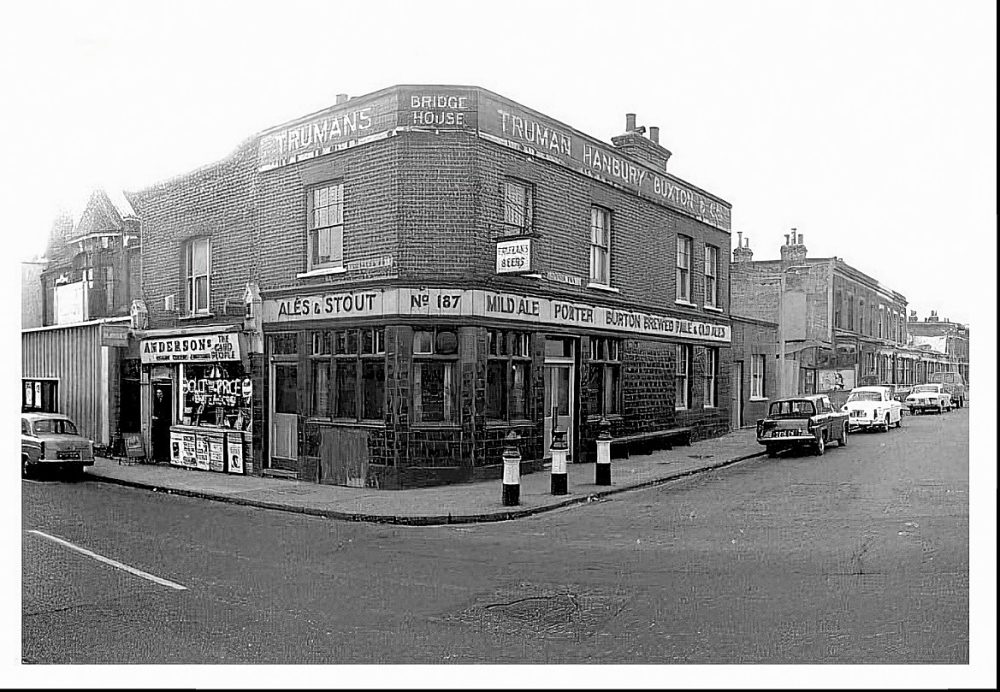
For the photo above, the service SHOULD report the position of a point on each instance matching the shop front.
(197, 396)
(405, 387)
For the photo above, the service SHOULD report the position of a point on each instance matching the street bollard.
(559, 451)
(511, 471)
(602, 469)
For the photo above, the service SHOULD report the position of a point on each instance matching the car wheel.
(820, 446)
(843, 438)
(913, 411)
(940, 409)
(899, 421)
(25, 467)
(772, 452)
(885, 426)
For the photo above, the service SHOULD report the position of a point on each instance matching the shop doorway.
(163, 418)
(560, 391)
(736, 395)
(284, 411)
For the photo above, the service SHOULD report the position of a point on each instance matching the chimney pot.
(629, 122)
(342, 98)
(786, 239)
(654, 134)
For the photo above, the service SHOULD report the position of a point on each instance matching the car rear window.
(926, 388)
(54, 426)
(865, 396)
(799, 408)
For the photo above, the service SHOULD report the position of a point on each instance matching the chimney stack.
(742, 253)
(342, 98)
(629, 122)
(654, 134)
(633, 144)
(793, 251)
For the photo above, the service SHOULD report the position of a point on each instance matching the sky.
(868, 126)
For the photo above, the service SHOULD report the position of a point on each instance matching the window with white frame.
(684, 244)
(711, 276)
(326, 226)
(435, 387)
(682, 377)
(710, 378)
(757, 365)
(600, 246)
(605, 376)
(197, 262)
(518, 203)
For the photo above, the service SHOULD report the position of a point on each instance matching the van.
(953, 383)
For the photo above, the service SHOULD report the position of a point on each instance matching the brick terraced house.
(378, 293)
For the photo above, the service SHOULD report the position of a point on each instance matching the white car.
(929, 397)
(873, 408)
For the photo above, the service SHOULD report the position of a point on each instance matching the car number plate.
(68, 455)
(783, 433)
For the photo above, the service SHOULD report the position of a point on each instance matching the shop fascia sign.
(191, 348)
(514, 256)
(443, 302)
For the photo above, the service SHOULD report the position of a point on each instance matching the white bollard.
(559, 452)
(511, 471)
(602, 469)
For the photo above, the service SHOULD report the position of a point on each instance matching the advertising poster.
(176, 449)
(188, 450)
(234, 450)
(835, 380)
(216, 455)
(201, 453)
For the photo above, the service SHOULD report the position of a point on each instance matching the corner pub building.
(437, 266)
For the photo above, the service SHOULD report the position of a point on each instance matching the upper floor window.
(326, 226)
(600, 246)
(684, 244)
(518, 203)
(850, 311)
(197, 262)
(712, 276)
(837, 308)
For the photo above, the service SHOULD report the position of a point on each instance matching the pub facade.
(425, 269)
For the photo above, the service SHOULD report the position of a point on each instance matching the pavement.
(462, 503)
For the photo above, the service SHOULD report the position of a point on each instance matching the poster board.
(234, 453)
(134, 447)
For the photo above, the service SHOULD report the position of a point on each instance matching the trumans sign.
(513, 256)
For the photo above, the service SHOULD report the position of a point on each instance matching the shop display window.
(217, 395)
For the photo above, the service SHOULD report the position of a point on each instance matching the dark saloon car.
(802, 421)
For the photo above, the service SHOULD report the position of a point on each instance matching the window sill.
(611, 417)
(713, 308)
(325, 271)
(681, 408)
(435, 425)
(197, 316)
(602, 287)
(517, 423)
(346, 422)
(758, 398)
(685, 303)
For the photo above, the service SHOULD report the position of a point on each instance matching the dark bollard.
(559, 451)
(602, 469)
(511, 471)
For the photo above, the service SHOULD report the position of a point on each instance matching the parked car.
(954, 384)
(873, 407)
(929, 397)
(802, 421)
(51, 440)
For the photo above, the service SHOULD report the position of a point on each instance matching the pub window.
(711, 378)
(435, 388)
(606, 375)
(682, 377)
(684, 244)
(518, 203)
(348, 367)
(712, 276)
(326, 226)
(508, 368)
(600, 246)
(284, 344)
(197, 261)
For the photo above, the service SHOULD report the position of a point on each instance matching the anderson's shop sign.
(434, 302)
(186, 349)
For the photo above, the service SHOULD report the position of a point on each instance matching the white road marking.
(113, 563)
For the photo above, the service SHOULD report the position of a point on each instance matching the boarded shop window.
(712, 276)
(757, 365)
(682, 377)
(434, 386)
(326, 226)
(507, 374)
(197, 260)
(518, 202)
(600, 246)
(710, 377)
(684, 244)
(605, 376)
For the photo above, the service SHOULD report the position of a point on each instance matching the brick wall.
(752, 337)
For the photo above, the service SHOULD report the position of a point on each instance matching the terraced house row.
(378, 293)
